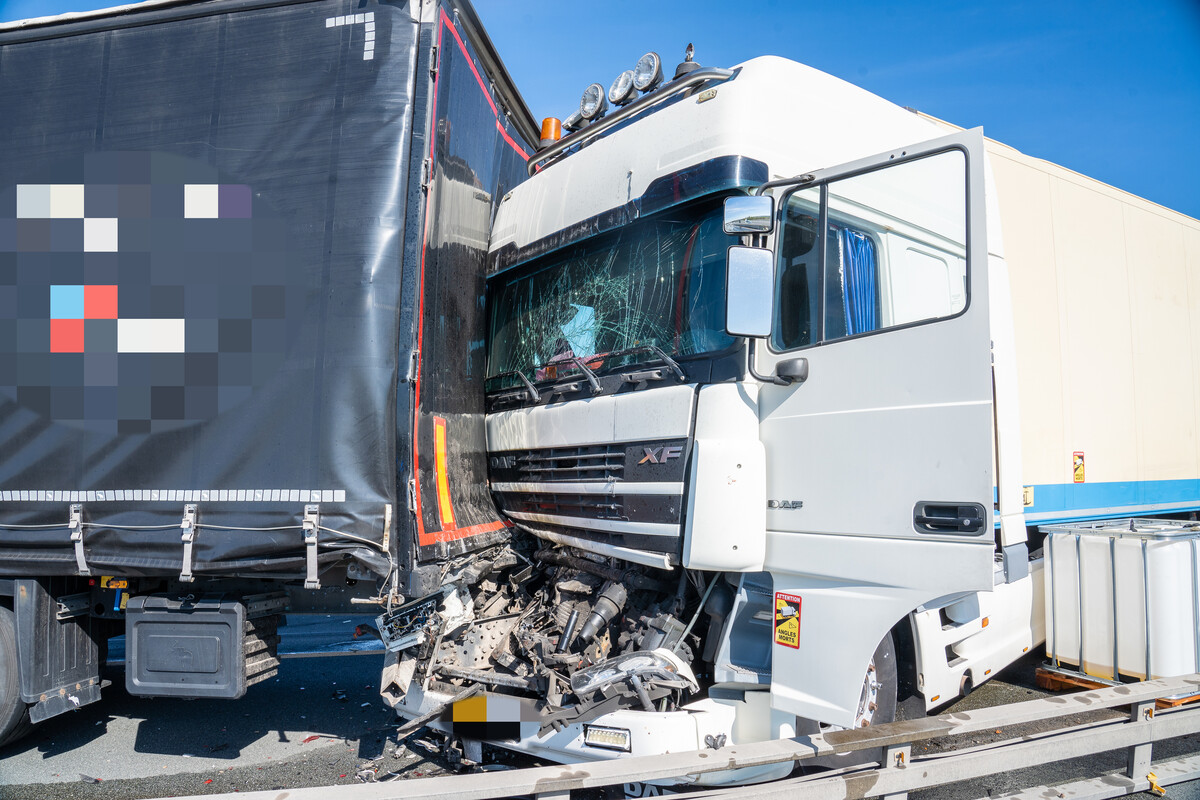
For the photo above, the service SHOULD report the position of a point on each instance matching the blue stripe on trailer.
(1067, 502)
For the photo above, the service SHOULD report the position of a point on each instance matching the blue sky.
(1109, 89)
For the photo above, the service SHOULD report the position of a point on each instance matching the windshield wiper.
(651, 374)
(587, 373)
(530, 389)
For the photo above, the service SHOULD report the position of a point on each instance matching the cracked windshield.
(656, 282)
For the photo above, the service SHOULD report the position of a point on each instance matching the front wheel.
(14, 714)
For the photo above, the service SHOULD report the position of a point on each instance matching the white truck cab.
(753, 395)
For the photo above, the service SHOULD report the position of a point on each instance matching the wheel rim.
(868, 701)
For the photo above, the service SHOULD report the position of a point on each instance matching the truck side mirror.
(749, 214)
(749, 285)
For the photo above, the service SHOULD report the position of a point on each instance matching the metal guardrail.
(900, 772)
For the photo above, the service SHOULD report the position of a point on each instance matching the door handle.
(949, 517)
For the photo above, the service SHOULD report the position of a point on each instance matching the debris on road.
(427, 746)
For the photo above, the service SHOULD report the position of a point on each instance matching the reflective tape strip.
(442, 476)
(174, 496)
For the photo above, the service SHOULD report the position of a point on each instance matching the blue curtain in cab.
(860, 299)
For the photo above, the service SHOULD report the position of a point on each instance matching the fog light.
(621, 92)
(648, 72)
(593, 102)
(608, 738)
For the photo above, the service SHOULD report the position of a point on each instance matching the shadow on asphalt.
(331, 698)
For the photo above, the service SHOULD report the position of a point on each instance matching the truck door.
(879, 453)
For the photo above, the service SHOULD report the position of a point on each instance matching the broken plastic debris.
(312, 738)
(365, 705)
(425, 744)
(209, 780)
(88, 778)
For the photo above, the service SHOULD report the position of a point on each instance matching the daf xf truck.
(783, 380)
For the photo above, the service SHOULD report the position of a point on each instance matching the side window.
(892, 252)
(798, 284)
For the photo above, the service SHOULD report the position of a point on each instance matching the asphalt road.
(321, 722)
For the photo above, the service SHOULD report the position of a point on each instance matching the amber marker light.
(551, 131)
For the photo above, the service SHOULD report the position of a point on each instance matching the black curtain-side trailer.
(241, 256)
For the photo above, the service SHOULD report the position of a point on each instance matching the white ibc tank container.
(1122, 597)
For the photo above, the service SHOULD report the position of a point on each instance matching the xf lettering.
(660, 455)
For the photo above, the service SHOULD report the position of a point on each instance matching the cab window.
(892, 253)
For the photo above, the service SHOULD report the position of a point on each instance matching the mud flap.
(58, 655)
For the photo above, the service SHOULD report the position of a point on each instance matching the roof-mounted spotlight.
(593, 102)
(574, 122)
(648, 72)
(622, 91)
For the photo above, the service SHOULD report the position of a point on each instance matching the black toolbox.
(197, 646)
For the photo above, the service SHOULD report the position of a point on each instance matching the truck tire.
(14, 714)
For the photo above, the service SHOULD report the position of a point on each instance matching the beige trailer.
(1105, 293)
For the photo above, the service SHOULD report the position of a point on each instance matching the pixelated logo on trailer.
(139, 293)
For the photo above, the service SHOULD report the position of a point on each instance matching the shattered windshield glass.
(656, 282)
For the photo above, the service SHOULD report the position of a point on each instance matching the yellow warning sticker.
(109, 582)
(787, 619)
(1077, 465)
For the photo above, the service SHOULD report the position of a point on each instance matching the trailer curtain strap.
(312, 524)
(76, 526)
(189, 538)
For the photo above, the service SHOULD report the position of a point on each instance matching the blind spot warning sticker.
(787, 620)
(1077, 466)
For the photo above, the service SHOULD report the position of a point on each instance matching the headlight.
(593, 102)
(648, 72)
(621, 91)
(657, 666)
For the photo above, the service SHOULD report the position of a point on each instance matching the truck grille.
(626, 493)
(604, 464)
(597, 506)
